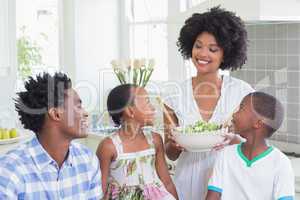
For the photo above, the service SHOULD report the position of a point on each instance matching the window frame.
(9, 37)
(66, 37)
(125, 35)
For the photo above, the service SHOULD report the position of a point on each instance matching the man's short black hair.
(41, 93)
(228, 29)
(269, 108)
(118, 99)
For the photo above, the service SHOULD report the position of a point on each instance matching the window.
(148, 33)
(187, 4)
(196, 2)
(37, 37)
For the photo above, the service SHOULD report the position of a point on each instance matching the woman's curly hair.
(228, 29)
(43, 92)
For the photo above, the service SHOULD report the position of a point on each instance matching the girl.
(132, 160)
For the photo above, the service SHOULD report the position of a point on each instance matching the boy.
(50, 165)
(253, 170)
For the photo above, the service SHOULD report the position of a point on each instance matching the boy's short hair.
(270, 108)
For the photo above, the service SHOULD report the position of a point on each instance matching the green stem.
(135, 76)
(147, 78)
(122, 78)
(117, 75)
(128, 75)
(144, 77)
(141, 76)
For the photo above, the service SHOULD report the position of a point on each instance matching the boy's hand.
(229, 139)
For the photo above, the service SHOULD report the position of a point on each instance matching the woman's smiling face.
(207, 55)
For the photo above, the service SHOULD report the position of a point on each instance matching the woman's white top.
(193, 168)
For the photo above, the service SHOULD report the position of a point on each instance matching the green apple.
(1, 133)
(5, 134)
(13, 133)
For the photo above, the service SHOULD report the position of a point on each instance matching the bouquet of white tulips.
(137, 71)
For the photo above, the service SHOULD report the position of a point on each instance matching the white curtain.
(4, 53)
(8, 63)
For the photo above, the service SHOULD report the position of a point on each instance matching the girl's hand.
(173, 142)
(161, 166)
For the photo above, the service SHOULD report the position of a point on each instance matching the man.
(51, 166)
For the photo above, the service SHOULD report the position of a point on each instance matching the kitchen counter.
(91, 141)
(285, 146)
(296, 166)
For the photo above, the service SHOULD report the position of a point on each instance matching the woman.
(214, 40)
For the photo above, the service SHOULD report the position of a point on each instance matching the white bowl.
(197, 142)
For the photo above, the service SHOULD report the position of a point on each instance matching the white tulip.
(151, 63)
(123, 65)
(136, 64)
(128, 63)
(115, 64)
(143, 62)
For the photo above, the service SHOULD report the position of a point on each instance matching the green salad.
(201, 126)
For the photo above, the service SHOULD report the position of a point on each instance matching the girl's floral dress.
(133, 175)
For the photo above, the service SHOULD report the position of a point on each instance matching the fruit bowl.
(200, 137)
(9, 141)
(10, 136)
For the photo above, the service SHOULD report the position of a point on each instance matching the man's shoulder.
(80, 148)
(83, 156)
(14, 161)
(80, 151)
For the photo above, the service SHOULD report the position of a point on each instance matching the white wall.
(176, 69)
(8, 63)
(96, 44)
(280, 10)
(4, 54)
